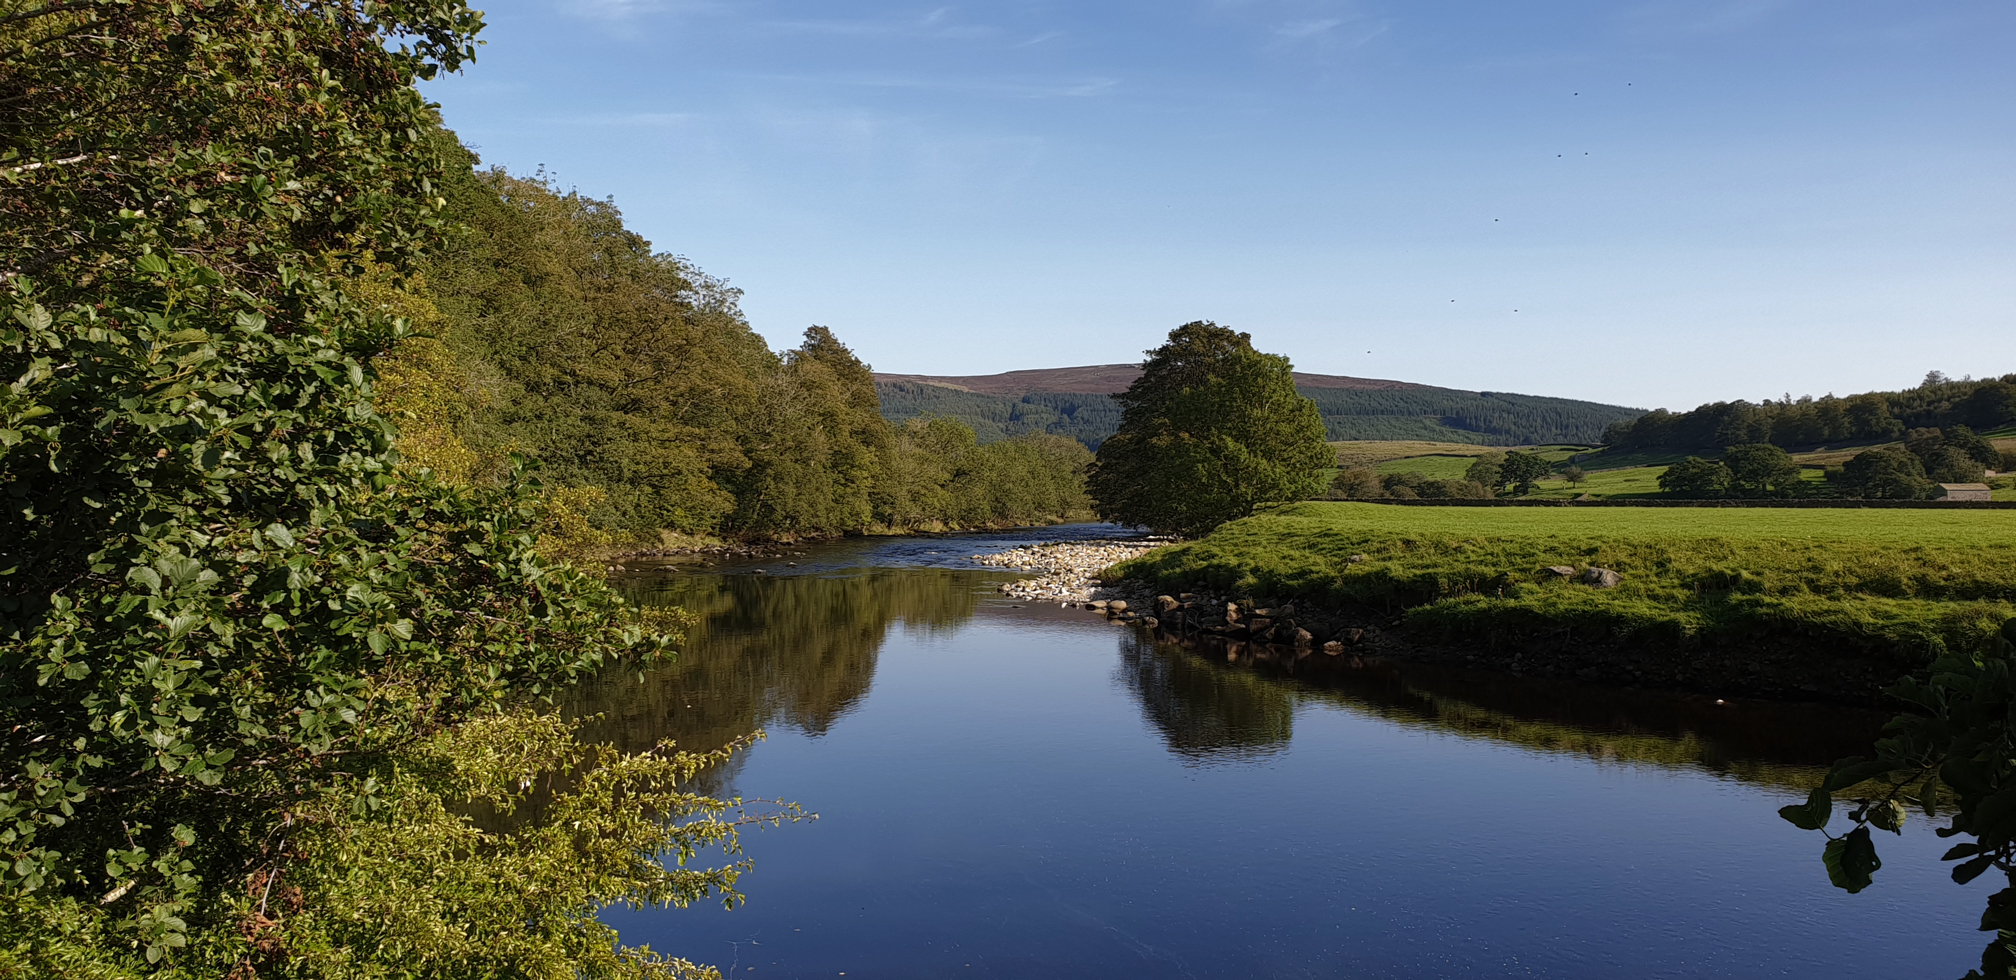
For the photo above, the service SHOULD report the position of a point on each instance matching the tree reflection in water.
(1204, 712)
(799, 651)
(796, 651)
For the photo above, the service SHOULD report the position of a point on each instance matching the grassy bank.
(1886, 588)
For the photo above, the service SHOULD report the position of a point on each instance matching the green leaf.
(273, 622)
(1812, 814)
(146, 578)
(1888, 815)
(153, 264)
(1851, 860)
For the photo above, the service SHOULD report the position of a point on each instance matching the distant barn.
(1962, 491)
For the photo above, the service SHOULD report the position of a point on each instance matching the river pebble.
(1070, 568)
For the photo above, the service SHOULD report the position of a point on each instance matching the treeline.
(1490, 475)
(1486, 418)
(1436, 414)
(258, 673)
(1939, 402)
(549, 329)
(1912, 470)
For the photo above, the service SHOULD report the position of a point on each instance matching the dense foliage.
(631, 372)
(1808, 421)
(1211, 430)
(236, 634)
(1488, 475)
(1951, 752)
(1444, 414)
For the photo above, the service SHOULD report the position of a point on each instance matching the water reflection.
(790, 650)
(800, 651)
(1232, 701)
(1204, 712)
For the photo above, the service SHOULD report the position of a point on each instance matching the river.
(1007, 790)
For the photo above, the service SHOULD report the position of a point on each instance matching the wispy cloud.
(1296, 30)
(624, 9)
(1667, 17)
(938, 23)
(1066, 88)
(632, 120)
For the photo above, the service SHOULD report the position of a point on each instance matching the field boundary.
(1846, 503)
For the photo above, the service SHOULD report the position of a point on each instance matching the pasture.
(1896, 583)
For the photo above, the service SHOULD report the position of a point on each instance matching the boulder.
(1117, 605)
(1150, 622)
(1231, 612)
(1096, 604)
(1564, 571)
(1355, 559)
(1354, 636)
(1303, 639)
(1166, 604)
(1601, 578)
(1334, 648)
(1260, 624)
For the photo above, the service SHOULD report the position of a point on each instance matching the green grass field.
(1899, 582)
(1371, 452)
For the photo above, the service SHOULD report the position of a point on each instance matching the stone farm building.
(1962, 491)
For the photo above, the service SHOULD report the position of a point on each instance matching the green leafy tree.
(231, 621)
(1695, 477)
(1953, 746)
(1949, 464)
(1964, 440)
(1356, 483)
(1575, 476)
(1760, 470)
(1887, 473)
(1211, 430)
(1521, 471)
(1488, 471)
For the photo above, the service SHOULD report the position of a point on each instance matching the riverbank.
(1830, 605)
(677, 547)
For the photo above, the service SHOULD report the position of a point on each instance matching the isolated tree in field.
(1575, 476)
(1522, 470)
(1211, 430)
(1487, 471)
(1887, 473)
(1760, 470)
(1695, 477)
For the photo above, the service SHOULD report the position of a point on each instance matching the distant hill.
(1078, 402)
(1103, 379)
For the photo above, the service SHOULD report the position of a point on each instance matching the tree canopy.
(1211, 430)
(242, 643)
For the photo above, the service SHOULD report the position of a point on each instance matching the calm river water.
(1030, 792)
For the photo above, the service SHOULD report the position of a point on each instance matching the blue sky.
(1681, 201)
